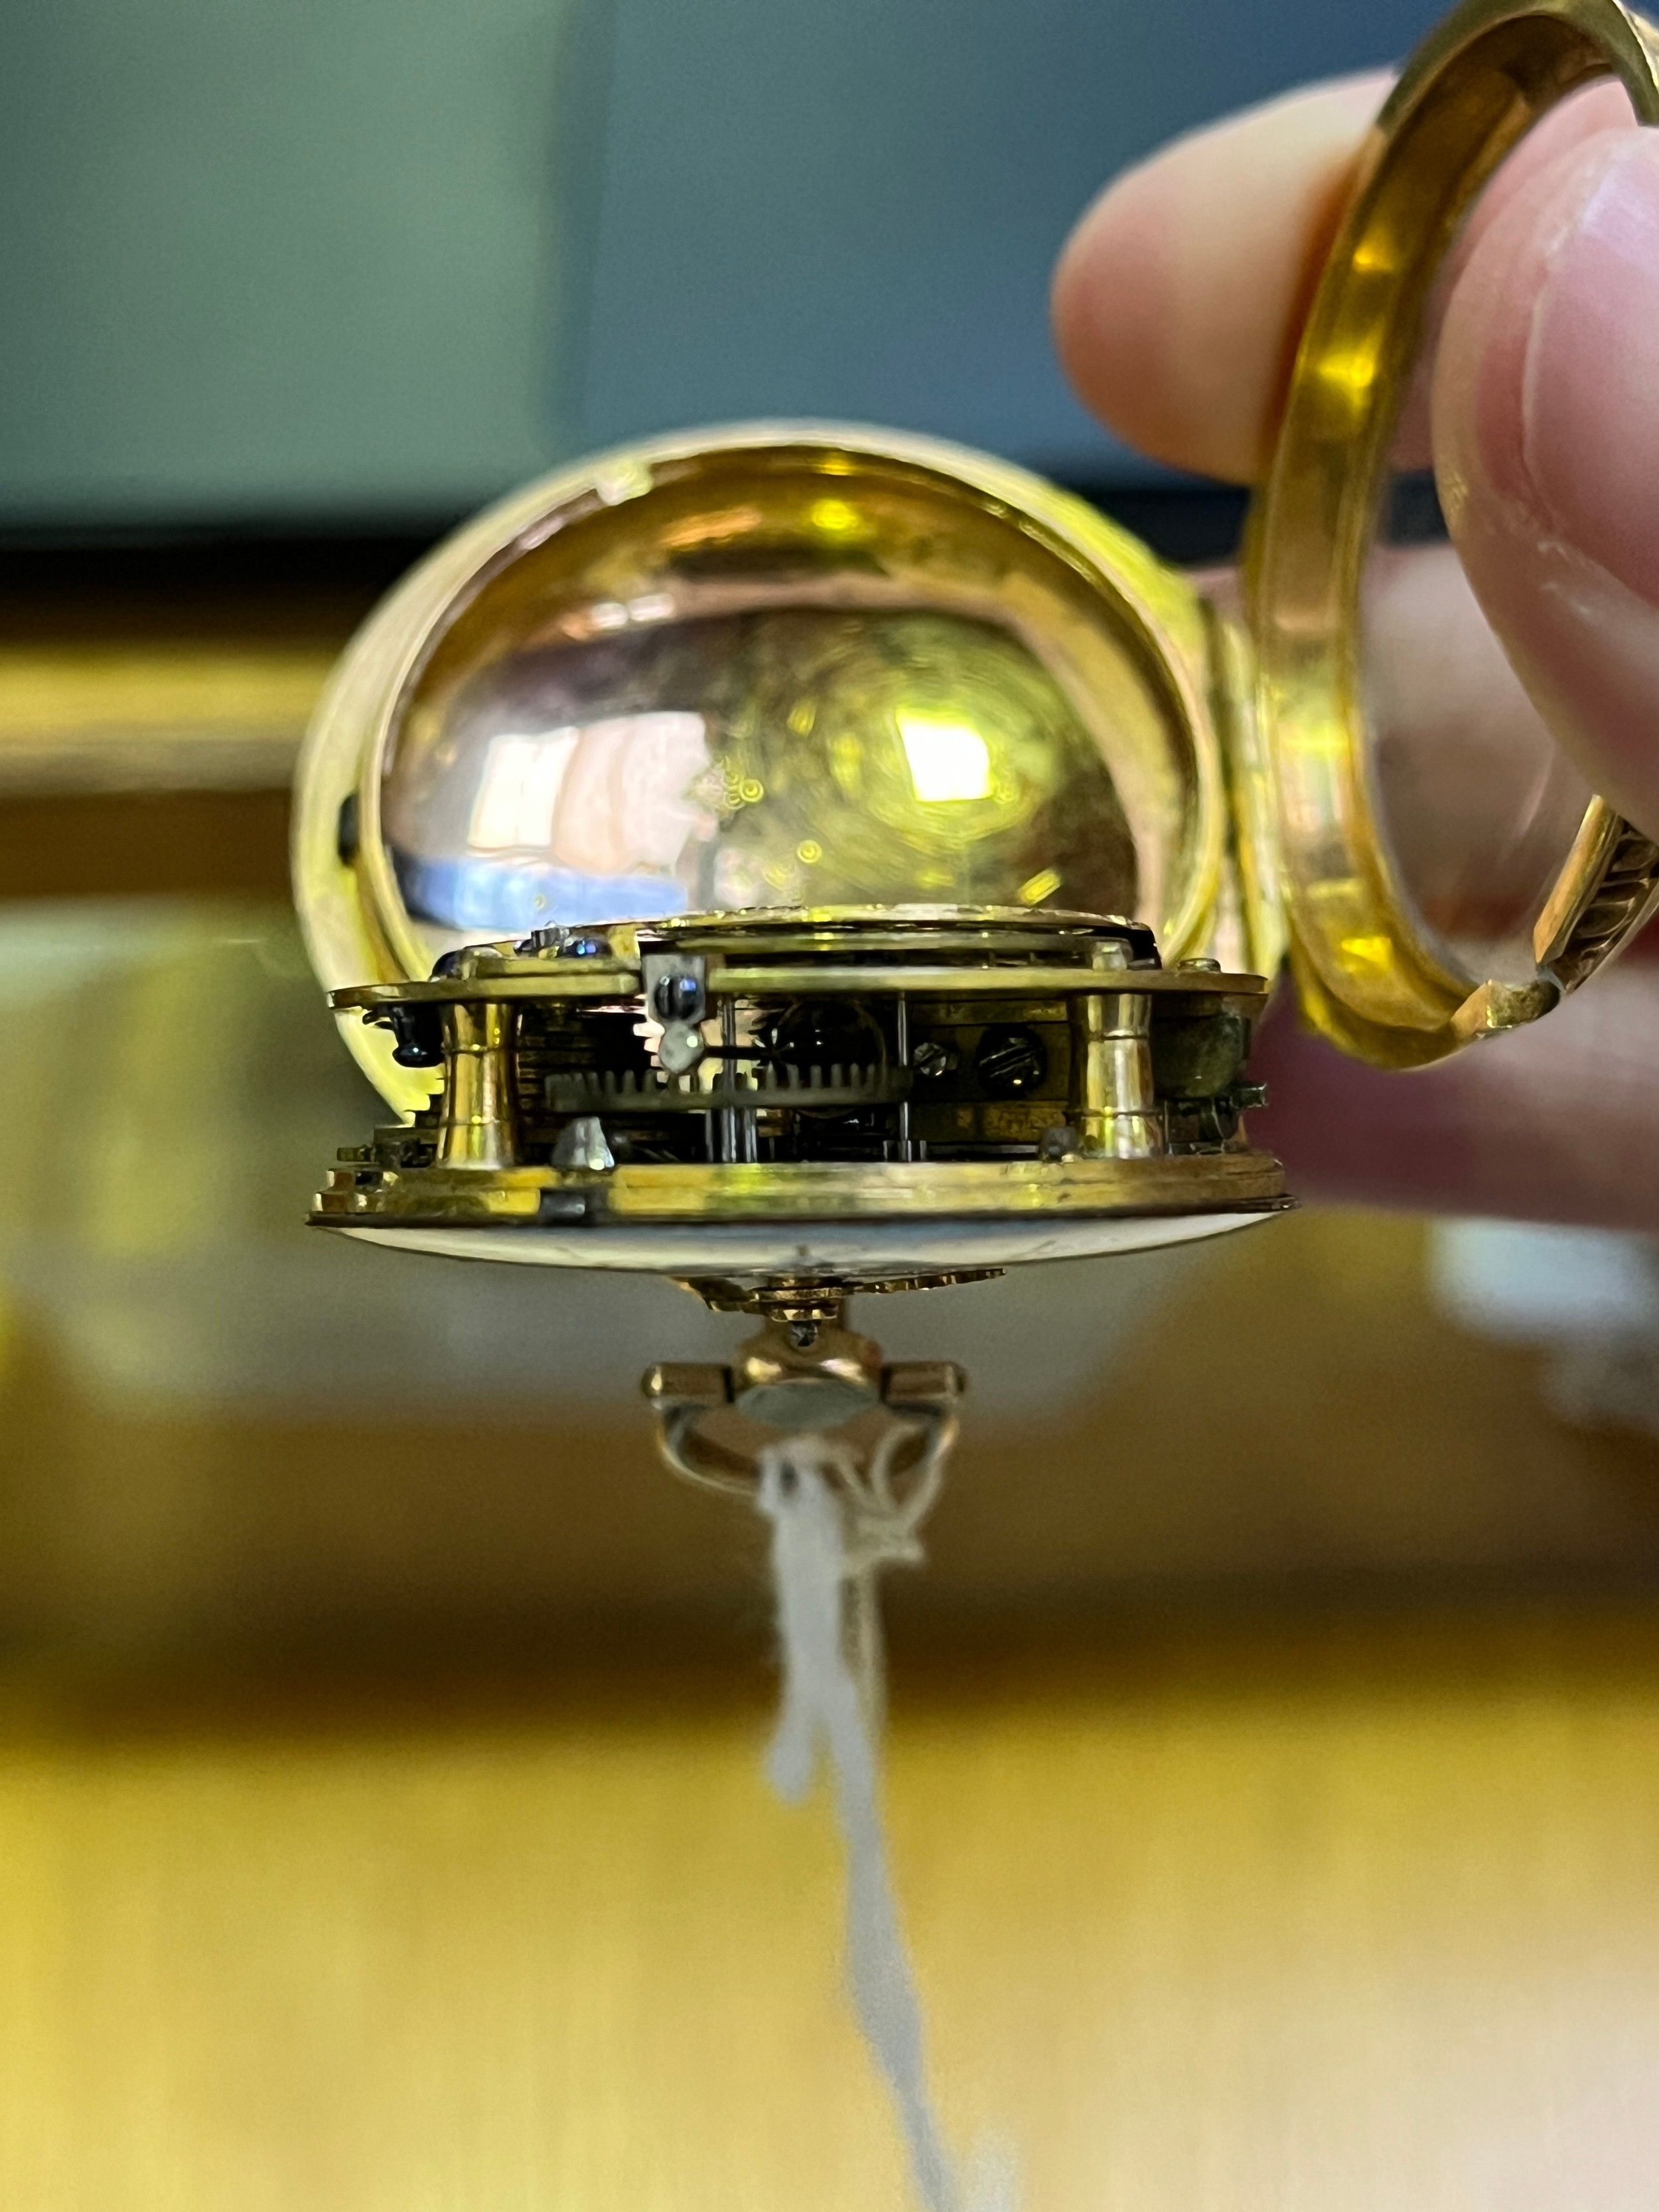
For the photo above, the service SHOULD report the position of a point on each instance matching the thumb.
(1546, 414)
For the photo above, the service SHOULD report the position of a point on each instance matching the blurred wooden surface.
(186, 663)
(1358, 1912)
(1291, 1413)
(152, 703)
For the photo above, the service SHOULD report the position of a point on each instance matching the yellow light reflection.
(1352, 370)
(1036, 888)
(947, 759)
(838, 517)
(1371, 955)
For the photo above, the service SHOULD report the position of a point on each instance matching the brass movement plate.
(809, 1191)
(802, 1081)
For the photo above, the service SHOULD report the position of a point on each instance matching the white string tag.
(825, 1708)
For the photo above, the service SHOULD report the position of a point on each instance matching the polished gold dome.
(771, 667)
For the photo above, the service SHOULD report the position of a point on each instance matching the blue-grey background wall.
(314, 261)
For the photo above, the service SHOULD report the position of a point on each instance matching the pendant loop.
(805, 1373)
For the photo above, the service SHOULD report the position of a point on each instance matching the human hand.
(1176, 305)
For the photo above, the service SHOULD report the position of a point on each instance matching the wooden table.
(1349, 1911)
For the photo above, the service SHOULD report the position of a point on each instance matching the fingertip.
(1546, 445)
(1176, 299)
(1109, 312)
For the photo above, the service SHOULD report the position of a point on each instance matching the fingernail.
(1589, 370)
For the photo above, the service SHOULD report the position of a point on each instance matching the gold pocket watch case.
(797, 782)
(799, 858)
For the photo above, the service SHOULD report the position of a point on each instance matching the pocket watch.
(798, 857)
